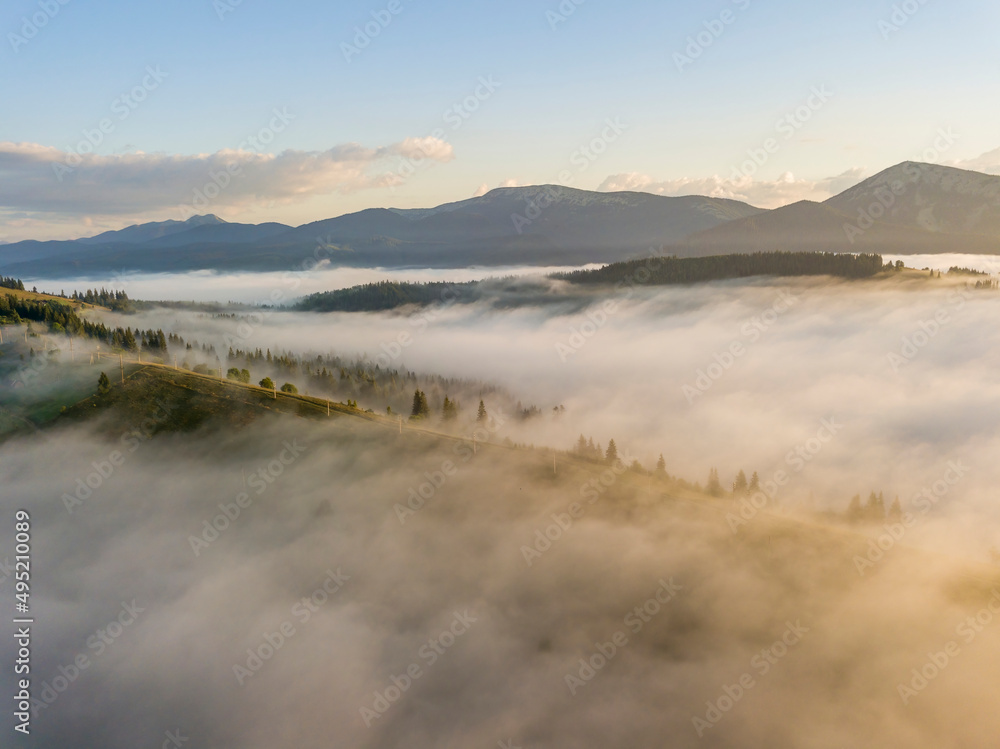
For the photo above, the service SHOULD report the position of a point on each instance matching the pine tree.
(581, 446)
(875, 508)
(611, 456)
(420, 407)
(740, 484)
(103, 384)
(895, 512)
(449, 411)
(855, 513)
(661, 465)
(754, 484)
(481, 416)
(713, 487)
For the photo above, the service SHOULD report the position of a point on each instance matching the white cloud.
(988, 163)
(44, 180)
(762, 193)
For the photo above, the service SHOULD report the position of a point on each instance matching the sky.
(117, 113)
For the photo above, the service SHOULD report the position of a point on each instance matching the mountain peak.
(208, 218)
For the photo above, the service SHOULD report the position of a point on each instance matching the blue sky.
(558, 73)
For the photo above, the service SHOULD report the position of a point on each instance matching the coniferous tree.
(103, 384)
(481, 416)
(420, 407)
(875, 508)
(740, 484)
(754, 483)
(611, 456)
(449, 411)
(713, 487)
(895, 512)
(855, 512)
(661, 465)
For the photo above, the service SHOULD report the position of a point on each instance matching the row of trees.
(741, 487)
(449, 408)
(672, 270)
(386, 295)
(873, 510)
(63, 319)
(11, 283)
(115, 300)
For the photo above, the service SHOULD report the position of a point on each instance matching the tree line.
(63, 319)
(673, 270)
(387, 295)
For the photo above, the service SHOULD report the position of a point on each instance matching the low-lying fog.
(259, 288)
(730, 375)
(437, 629)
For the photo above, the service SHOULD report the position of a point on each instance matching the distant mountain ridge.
(906, 209)
(539, 225)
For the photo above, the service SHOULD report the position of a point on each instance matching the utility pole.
(327, 406)
(121, 363)
(175, 361)
(400, 424)
(72, 356)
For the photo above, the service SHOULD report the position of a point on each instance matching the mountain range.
(906, 209)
